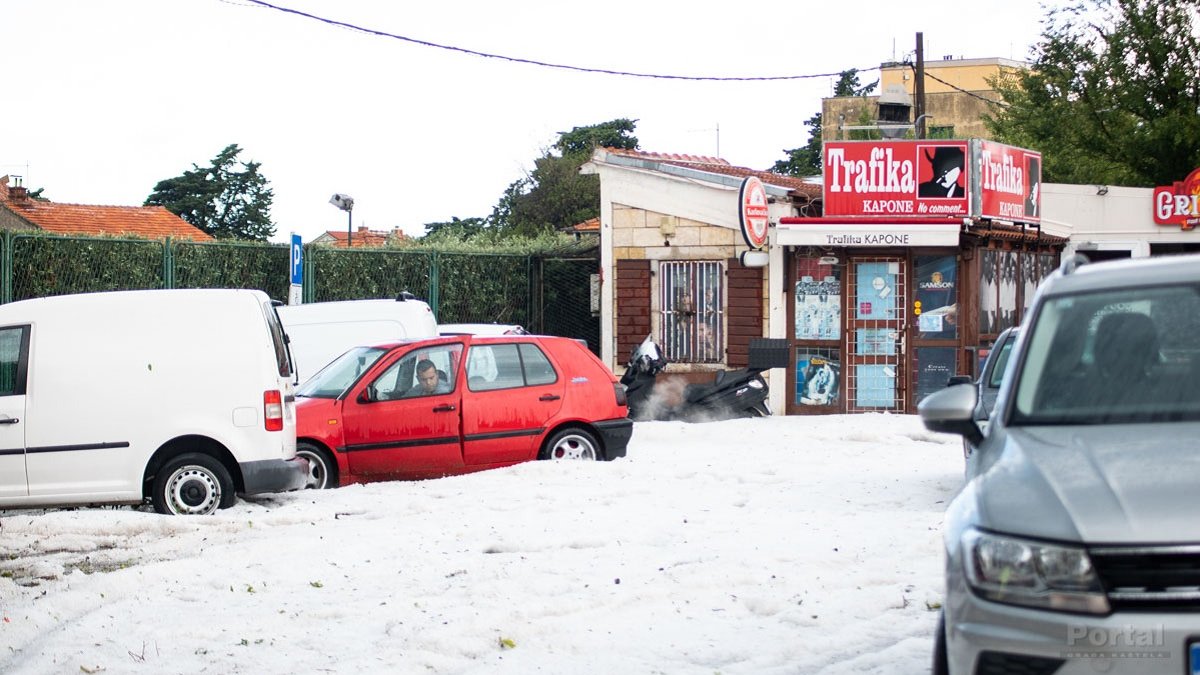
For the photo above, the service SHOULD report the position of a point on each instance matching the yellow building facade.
(958, 94)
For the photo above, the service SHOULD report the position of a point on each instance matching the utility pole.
(920, 87)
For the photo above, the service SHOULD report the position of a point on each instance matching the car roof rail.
(1072, 263)
(405, 295)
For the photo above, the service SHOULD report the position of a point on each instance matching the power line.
(544, 64)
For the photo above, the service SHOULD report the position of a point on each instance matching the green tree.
(806, 160)
(455, 229)
(583, 140)
(222, 201)
(559, 197)
(1112, 95)
(555, 195)
(848, 85)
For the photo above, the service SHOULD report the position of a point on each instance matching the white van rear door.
(14, 366)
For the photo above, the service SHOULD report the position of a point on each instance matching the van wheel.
(193, 485)
(571, 444)
(322, 469)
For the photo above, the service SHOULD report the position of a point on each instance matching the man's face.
(950, 177)
(428, 379)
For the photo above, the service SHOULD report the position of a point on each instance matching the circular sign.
(753, 212)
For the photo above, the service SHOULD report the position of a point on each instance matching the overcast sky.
(104, 99)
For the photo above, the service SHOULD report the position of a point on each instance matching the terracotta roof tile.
(718, 165)
(362, 237)
(148, 222)
(668, 157)
(590, 225)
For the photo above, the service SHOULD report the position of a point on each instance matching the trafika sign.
(1179, 204)
(753, 212)
(896, 178)
(1010, 181)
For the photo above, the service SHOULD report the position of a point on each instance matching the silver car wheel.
(573, 446)
(318, 467)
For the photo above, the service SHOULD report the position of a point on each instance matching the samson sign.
(896, 178)
(1010, 182)
(753, 212)
(1179, 203)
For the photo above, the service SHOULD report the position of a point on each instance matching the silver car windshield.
(341, 373)
(1122, 356)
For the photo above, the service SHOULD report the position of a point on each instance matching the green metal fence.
(352, 274)
(41, 265)
(483, 288)
(548, 295)
(229, 265)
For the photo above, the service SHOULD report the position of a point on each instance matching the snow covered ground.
(778, 545)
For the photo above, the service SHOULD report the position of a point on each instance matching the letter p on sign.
(297, 270)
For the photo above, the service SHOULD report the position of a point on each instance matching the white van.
(320, 332)
(179, 397)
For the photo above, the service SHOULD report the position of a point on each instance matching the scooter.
(731, 394)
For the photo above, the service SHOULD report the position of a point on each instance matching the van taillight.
(619, 389)
(273, 410)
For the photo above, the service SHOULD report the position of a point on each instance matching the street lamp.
(345, 203)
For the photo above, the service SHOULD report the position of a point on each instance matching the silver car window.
(1131, 355)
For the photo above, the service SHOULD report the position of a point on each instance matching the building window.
(692, 306)
(818, 300)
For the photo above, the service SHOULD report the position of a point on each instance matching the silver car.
(1074, 546)
(991, 376)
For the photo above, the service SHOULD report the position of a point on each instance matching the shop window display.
(818, 377)
(818, 300)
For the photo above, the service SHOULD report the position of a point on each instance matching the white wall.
(1120, 219)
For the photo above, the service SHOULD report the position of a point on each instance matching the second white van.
(319, 332)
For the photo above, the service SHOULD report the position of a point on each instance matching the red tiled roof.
(668, 157)
(718, 165)
(148, 222)
(591, 225)
(362, 237)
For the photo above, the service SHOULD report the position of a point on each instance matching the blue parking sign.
(297, 260)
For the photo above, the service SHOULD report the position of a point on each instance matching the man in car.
(429, 381)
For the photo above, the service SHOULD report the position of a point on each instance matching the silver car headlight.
(1031, 573)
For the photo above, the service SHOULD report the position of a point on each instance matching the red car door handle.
(549, 397)
(445, 407)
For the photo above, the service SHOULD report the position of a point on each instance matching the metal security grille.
(875, 344)
(691, 302)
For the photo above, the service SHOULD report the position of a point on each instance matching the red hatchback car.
(442, 406)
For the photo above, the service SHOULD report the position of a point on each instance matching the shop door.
(875, 340)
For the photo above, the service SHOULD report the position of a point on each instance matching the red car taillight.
(273, 410)
(619, 389)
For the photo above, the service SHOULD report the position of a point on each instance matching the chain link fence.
(563, 288)
(354, 274)
(549, 295)
(40, 265)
